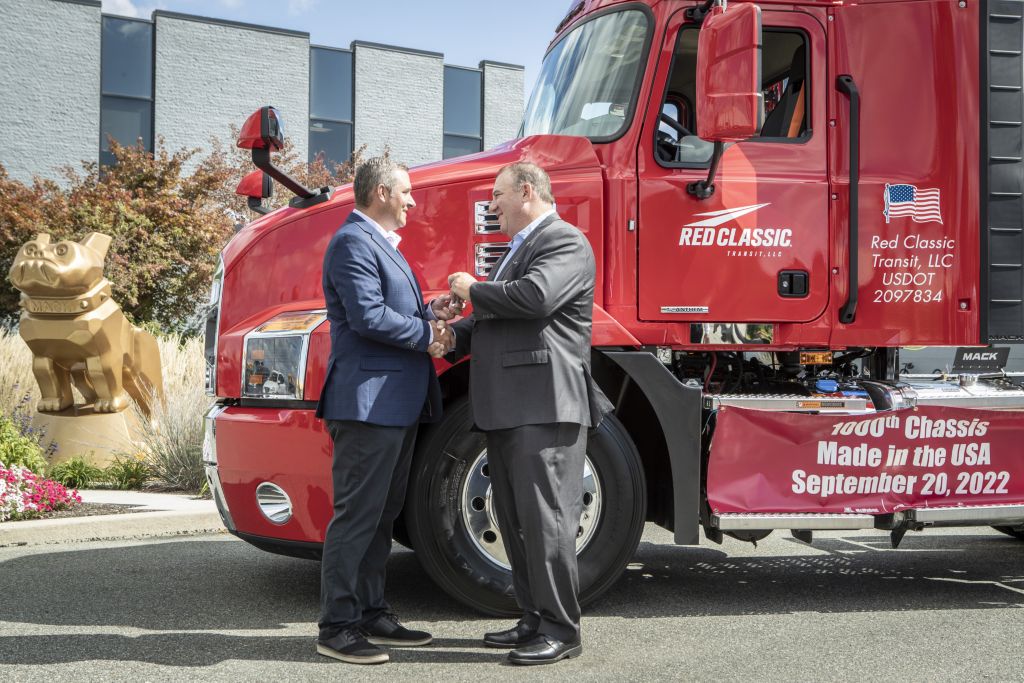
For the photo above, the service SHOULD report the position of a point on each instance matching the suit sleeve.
(563, 266)
(463, 339)
(353, 272)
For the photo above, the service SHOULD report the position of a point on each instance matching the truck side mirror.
(257, 186)
(263, 133)
(730, 104)
(262, 130)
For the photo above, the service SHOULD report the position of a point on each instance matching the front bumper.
(286, 447)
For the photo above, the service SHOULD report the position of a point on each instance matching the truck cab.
(778, 196)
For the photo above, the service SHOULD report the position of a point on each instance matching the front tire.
(448, 513)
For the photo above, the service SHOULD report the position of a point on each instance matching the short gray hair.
(373, 173)
(524, 172)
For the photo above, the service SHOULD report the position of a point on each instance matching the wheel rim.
(481, 523)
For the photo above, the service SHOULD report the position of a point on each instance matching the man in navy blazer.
(380, 384)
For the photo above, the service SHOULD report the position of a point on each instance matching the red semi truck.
(778, 197)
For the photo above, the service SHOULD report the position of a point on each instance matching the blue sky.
(466, 31)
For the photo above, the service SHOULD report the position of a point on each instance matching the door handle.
(845, 84)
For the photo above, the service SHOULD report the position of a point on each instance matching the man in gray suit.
(532, 394)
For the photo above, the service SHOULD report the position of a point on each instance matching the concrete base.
(97, 438)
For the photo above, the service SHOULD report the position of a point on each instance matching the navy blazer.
(379, 371)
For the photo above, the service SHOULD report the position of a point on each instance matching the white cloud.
(126, 8)
(300, 6)
(233, 4)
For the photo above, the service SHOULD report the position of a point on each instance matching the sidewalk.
(161, 514)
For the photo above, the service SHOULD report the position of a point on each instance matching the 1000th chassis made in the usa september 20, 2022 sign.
(930, 456)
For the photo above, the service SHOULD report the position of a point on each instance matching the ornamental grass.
(173, 440)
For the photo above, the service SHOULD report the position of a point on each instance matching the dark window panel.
(330, 84)
(461, 101)
(333, 140)
(457, 145)
(125, 120)
(127, 58)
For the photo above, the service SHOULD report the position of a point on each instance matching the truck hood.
(552, 152)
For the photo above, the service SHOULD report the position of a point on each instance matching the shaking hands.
(444, 308)
(444, 339)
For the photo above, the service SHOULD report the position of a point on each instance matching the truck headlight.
(274, 355)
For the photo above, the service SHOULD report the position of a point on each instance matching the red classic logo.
(706, 233)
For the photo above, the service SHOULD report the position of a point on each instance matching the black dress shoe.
(350, 646)
(513, 637)
(386, 629)
(545, 650)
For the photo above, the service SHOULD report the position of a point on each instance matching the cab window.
(784, 85)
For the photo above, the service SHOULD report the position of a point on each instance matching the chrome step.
(748, 521)
(976, 515)
(984, 393)
(793, 403)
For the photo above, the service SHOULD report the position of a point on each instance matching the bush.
(77, 473)
(18, 450)
(128, 473)
(167, 229)
(24, 495)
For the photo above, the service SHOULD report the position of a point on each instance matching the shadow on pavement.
(207, 649)
(219, 584)
(858, 574)
(224, 585)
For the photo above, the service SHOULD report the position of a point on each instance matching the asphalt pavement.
(945, 606)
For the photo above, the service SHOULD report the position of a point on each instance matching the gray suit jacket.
(529, 335)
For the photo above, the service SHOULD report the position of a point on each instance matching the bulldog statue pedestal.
(80, 432)
(79, 336)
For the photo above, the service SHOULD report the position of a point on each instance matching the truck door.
(757, 249)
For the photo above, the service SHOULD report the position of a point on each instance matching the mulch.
(89, 510)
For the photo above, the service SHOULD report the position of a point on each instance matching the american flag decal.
(906, 200)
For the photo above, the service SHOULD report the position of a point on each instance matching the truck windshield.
(587, 83)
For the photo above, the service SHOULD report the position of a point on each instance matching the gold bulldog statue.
(77, 333)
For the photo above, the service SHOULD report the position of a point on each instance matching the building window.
(463, 111)
(330, 105)
(126, 107)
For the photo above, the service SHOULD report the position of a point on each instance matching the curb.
(125, 526)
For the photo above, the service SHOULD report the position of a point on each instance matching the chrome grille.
(487, 255)
(486, 223)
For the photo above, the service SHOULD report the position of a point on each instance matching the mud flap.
(678, 409)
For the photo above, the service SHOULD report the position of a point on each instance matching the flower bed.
(25, 495)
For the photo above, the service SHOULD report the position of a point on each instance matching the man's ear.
(98, 242)
(528, 193)
(382, 192)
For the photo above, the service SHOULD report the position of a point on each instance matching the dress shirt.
(392, 236)
(519, 238)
